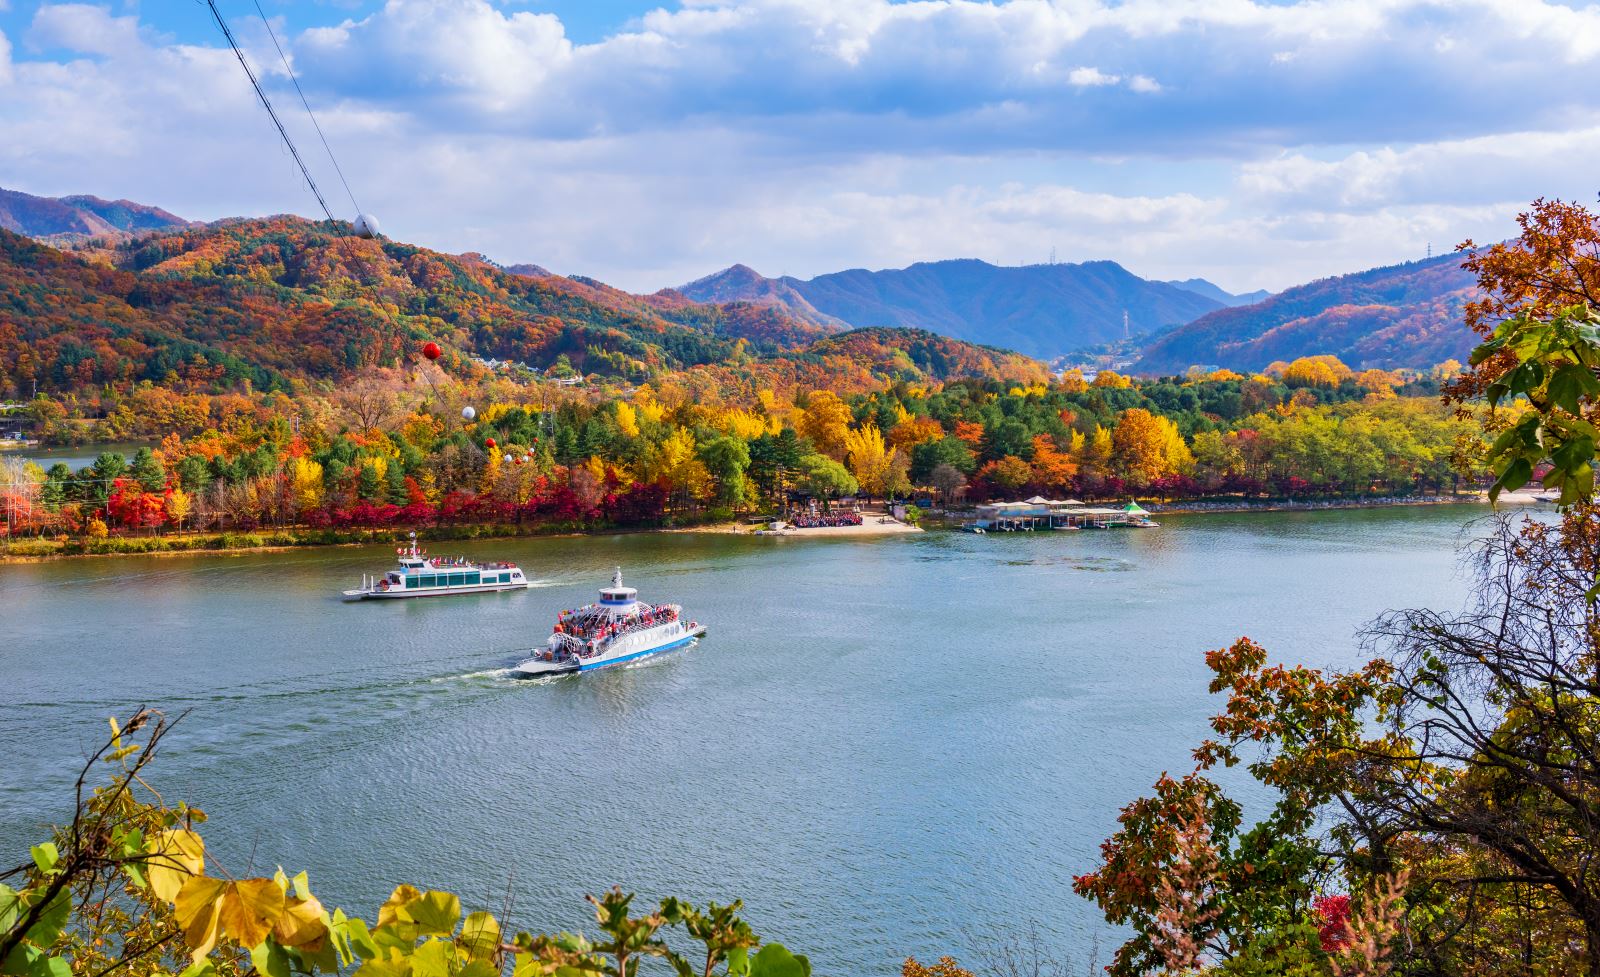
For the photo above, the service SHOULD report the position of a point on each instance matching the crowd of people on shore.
(821, 520)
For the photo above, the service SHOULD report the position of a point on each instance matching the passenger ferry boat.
(620, 628)
(421, 575)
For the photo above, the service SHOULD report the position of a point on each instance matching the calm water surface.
(885, 747)
(79, 456)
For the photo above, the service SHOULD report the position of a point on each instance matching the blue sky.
(1257, 144)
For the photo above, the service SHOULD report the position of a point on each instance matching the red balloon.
(489, 443)
(431, 351)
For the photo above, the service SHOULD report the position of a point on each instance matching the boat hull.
(433, 591)
(539, 668)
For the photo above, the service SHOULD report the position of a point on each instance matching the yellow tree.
(305, 482)
(826, 421)
(179, 505)
(1072, 381)
(1094, 451)
(1146, 447)
(913, 431)
(1315, 371)
(627, 419)
(674, 462)
(871, 461)
(491, 469)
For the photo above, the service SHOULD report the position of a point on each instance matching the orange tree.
(1538, 316)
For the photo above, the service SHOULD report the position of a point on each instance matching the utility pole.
(1052, 254)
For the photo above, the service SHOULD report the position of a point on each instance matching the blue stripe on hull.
(639, 654)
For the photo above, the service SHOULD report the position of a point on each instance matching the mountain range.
(71, 220)
(1217, 294)
(1399, 316)
(1040, 310)
(271, 302)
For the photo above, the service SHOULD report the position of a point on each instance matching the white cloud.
(1450, 172)
(1287, 141)
(1091, 77)
(83, 28)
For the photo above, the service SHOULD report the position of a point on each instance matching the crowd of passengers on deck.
(597, 632)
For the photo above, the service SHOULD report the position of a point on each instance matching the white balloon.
(467, 413)
(366, 226)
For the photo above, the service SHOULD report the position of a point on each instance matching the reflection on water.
(881, 745)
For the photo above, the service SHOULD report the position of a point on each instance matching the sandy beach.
(870, 526)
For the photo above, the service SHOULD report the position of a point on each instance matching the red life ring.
(383, 585)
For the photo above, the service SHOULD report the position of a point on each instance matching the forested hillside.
(281, 300)
(1399, 316)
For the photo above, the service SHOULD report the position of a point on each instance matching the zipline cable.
(262, 94)
(329, 149)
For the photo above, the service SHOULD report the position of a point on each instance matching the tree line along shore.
(391, 451)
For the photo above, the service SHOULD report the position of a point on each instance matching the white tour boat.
(421, 575)
(620, 628)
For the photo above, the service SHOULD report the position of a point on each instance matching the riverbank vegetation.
(391, 451)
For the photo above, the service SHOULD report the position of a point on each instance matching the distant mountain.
(1217, 293)
(741, 283)
(1040, 310)
(1399, 316)
(66, 220)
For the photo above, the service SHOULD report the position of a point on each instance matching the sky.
(1257, 144)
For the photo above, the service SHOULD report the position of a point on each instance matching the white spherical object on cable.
(468, 413)
(366, 226)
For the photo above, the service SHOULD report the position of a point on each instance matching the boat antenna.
(261, 93)
(309, 114)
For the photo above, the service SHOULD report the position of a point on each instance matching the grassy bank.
(45, 548)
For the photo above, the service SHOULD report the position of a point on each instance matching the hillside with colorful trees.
(287, 375)
(1399, 316)
(272, 303)
(394, 448)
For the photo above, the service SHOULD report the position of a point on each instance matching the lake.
(885, 747)
(75, 457)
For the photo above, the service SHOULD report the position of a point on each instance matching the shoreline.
(867, 530)
(1283, 505)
